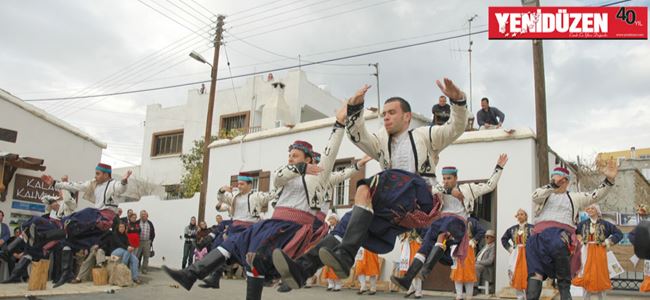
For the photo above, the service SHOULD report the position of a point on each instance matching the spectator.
(123, 250)
(147, 234)
(190, 243)
(367, 267)
(489, 117)
(201, 233)
(441, 111)
(485, 259)
(11, 256)
(133, 231)
(125, 220)
(5, 232)
(219, 219)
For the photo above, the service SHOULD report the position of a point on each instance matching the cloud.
(596, 90)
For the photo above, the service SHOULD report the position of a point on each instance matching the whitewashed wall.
(64, 153)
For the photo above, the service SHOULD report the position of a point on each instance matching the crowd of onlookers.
(129, 241)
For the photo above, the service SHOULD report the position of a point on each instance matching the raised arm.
(475, 190)
(263, 198)
(582, 200)
(331, 151)
(356, 127)
(72, 186)
(224, 198)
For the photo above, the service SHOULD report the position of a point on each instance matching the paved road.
(157, 287)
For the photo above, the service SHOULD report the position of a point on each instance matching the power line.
(172, 19)
(276, 3)
(198, 11)
(284, 12)
(309, 21)
(134, 84)
(200, 19)
(139, 65)
(267, 71)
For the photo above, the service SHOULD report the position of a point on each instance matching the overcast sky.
(598, 94)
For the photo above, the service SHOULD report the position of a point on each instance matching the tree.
(192, 165)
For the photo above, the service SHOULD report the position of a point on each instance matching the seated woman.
(124, 251)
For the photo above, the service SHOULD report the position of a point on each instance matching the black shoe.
(408, 294)
(361, 292)
(341, 258)
(212, 281)
(534, 289)
(372, 293)
(295, 273)
(254, 287)
(436, 254)
(18, 270)
(67, 273)
(188, 276)
(413, 270)
(284, 288)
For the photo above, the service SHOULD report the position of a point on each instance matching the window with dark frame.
(167, 143)
(234, 124)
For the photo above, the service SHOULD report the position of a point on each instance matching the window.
(234, 124)
(166, 143)
(343, 193)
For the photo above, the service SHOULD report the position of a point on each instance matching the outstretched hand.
(610, 170)
(450, 89)
(359, 96)
(47, 179)
(127, 175)
(313, 169)
(503, 159)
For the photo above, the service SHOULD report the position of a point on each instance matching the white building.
(64, 149)
(474, 153)
(259, 104)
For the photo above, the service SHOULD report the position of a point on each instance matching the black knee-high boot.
(341, 258)
(254, 288)
(213, 281)
(198, 270)
(413, 270)
(432, 259)
(295, 273)
(534, 289)
(563, 272)
(67, 273)
(19, 270)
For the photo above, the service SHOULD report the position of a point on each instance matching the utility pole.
(208, 124)
(540, 105)
(469, 51)
(376, 74)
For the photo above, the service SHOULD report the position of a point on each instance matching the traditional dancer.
(291, 226)
(514, 241)
(379, 217)
(457, 202)
(463, 272)
(100, 190)
(367, 269)
(244, 208)
(598, 236)
(550, 247)
(309, 263)
(411, 242)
